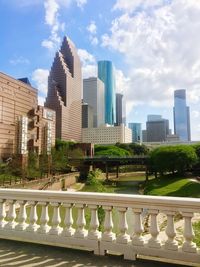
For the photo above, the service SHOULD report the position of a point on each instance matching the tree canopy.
(173, 158)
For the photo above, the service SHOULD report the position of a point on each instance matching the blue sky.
(154, 45)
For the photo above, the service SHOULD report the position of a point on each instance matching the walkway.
(19, 254)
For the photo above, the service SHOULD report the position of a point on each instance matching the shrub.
(111, 150)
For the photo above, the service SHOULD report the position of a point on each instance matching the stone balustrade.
(59, 219)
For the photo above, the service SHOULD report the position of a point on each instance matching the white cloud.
(94, 40)
(52, 20)
(86, 57)
(130, 6)
(81, 3)
(40, 77)
(92, 29)
(89, 71)
(88, 61)
(41, 100)
(160, 45)
(195, 113)
(122, 82)
(52, 8)
(19, 60)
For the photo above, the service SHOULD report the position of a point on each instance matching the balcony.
(63, 227)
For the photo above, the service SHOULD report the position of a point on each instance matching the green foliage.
(43, 164)
(14, 166)
(111, 150)
(196, 227)
(75, 153)
(59, 161)
(172, 158)
(63, 145)
(94, 180)
(134, 148)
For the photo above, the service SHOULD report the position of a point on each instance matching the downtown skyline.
(147, 72)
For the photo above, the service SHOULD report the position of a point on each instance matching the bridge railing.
(59, 219)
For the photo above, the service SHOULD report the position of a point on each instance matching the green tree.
(172, 159)
(59, 161)
(33, 165)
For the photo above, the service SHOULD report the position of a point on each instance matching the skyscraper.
(120, 109)
(106, 74)
(136, 132)
(64, 91)
(94, 96)
(87, 116)
(157, 128)
(181, 116)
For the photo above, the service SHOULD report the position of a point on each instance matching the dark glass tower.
(181, 116)
(106, 74)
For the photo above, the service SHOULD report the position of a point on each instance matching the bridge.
(104, 162)
(59, 219)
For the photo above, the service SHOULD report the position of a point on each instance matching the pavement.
(20, 254)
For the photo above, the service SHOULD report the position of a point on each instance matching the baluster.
(188, 245)
(137, 228)
(80, 231)
(108, 235)
(22, 216)
(171, 243)
(56, 229)
(154, 230)
(68, 221)
(11, 215)
(123, 237)
(33, 226)
(44, 228)
(94, 223)
(2, 213)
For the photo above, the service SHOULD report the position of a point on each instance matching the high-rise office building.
(106, 74)
(24, 126)
(94, 96)
(157, 129)
(120, 110)
(87, 116)
(64, 92)
(136, 132)
(181, 116)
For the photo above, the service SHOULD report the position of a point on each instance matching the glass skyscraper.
(136, 132)
(106, 74)
(181, 116)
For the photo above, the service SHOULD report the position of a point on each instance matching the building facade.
(181, 116)
(23, 125)
(107, 76)
(94, 96)
(136, 132)
(64, 92)
(87, 116)
(120, 116)
(157, 129)
(107, 135)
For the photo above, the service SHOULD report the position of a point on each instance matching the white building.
(107, 135)
(94, 96)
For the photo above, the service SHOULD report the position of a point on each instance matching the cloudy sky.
(154, 45)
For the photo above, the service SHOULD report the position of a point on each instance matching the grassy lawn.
(119, 187)
(172, 186)
(130, 176)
